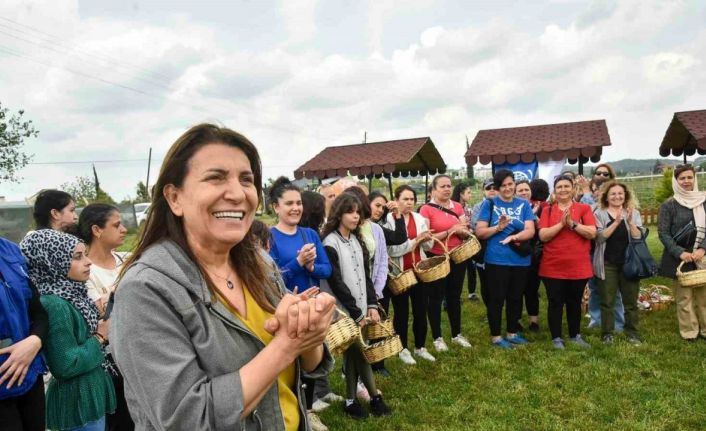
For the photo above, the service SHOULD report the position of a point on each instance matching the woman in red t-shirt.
(566, 228)
(448, 221)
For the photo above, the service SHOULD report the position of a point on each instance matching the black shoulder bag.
(639, 263)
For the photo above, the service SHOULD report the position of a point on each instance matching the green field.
(657, 386)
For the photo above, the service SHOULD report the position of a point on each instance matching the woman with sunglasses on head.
(566, 228)
(504, 222)
(591, 189)
(449, 223)
(682, 231)
(404, 256)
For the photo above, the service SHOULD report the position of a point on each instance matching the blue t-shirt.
(284, 249)
(519, 211)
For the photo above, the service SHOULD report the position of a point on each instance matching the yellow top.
(255, 321)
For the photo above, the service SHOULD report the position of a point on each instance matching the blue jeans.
(594, 307)
(98, 425)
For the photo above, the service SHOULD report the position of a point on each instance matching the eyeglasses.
(603, 174)
(489, 188)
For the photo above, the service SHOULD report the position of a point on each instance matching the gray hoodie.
(180, 350)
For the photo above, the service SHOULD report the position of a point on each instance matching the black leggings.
(449, 287)
(561, 293)
(419, 294)
(506, 284)
(26, 412)
(471, 271)
(531, 292)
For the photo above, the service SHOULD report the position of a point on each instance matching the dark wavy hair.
(313, 211)
(362, 198)
(48, 200)
(540, 189)
(499, 177)
(680, 169)
(458, 190)
(94, 215)
(405, 187)
(162, 223)
(374, 195)
(281, 185)
(343, 204)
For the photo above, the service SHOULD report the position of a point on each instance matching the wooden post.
(389, 183)
(684, 157)
(580, 166)
(370, 183)
(426, 187)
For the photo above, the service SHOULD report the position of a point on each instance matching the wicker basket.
(382, 329)
(342, 333)
(466, 250)
(433, 268)
(401, 282)
(382, 350)
(696, 278)
(659, 297)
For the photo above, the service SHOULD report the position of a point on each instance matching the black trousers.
(419, 294)
(560, 294)
(505, 286)
(531, 293)
(120, 420)
(26, 412)
(471, 271)
(449, 287)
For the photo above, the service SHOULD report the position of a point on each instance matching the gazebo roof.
(582, 139)
(416, 156)
(685, 134)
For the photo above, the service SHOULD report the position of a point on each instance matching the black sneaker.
(378, 406)
(534, 327)
(607, 339)
(355, 410)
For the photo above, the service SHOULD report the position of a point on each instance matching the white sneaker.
(407, 358)
(319, 406)
(332, 398)
(461, 341)
(315, 423)
(424, 354)
(362, 392)
(440, 345)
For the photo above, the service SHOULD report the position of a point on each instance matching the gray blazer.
(180, 350)
(602, 220)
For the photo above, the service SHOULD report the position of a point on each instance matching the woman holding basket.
(403, 257)
(350, 283)
(682, 230)
(449, 223)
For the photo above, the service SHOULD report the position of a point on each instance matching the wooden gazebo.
(686, 135)
(578, 142)
(403, 157)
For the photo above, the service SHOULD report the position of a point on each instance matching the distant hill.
(631, 167)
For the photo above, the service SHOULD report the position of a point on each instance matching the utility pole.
(147, 182)
(365, 137)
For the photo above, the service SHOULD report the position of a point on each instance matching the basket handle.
(397, 266)
(679, 267)
(446, 250)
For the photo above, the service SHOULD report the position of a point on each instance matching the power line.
(52, 39)
(88, 162)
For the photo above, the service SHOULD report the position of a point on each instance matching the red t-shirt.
(407, 261)
(441, 221)
(568, 255)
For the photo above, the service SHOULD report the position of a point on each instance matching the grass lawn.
(660, 385)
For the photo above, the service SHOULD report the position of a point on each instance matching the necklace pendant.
(230, 284)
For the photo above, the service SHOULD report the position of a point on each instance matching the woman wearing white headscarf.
(682, 230)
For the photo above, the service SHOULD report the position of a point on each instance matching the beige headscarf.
(693, 200)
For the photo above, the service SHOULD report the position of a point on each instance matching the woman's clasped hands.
(303, 319)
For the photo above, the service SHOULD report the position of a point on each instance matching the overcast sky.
(107, 80)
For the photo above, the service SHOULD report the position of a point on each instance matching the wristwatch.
(573, 225)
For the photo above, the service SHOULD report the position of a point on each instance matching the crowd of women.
(219, 321)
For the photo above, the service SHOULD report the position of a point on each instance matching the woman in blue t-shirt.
(300, 256)
(506, 223)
